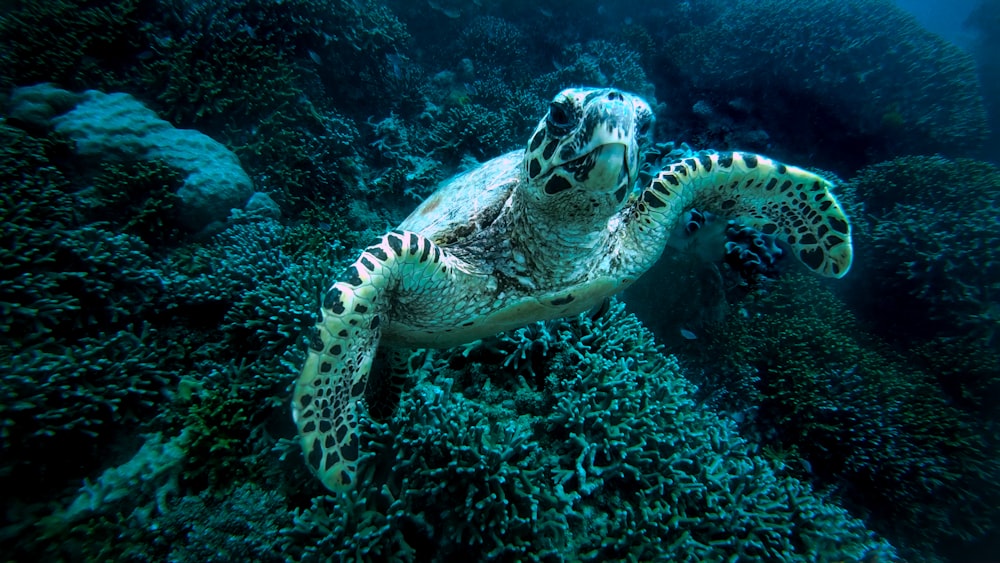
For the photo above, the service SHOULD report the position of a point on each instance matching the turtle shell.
(467, 203)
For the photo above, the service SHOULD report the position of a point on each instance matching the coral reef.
(116, 127)
(858, 416)
(930, 252)
(76, 44)
(262, 56)
(79, 359)
(598, 63)
(496, 42)
(861, 67)
(751, 253)
(985, 19)
(140, 198)
(610, 458)
(926, 235)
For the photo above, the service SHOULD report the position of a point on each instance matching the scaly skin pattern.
(498, 248)
(326, 400)
(756, 191)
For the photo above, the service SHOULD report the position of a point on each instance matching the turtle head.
(584, 155)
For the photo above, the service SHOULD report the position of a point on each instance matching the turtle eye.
(558, 116)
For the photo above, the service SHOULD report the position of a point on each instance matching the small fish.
(688, 335)
(315, 57)
(450, 12)
(396, 63)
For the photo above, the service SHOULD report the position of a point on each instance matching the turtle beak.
(610, 164)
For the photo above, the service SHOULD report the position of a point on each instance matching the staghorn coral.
(66, 401)
(472, 129)
(140, 198)
(61, 276)
(105, 338)
(261, 299)
(241, 79)
(459, 484)
(301, 160)
(82, 359)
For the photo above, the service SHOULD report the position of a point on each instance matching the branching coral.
(459, 483)
(80, 357)
(59, 277)
(301, 158)
(472, 129)
(258, 52)
(139, 198)
(240, 80)
(60, 398)
(106, 338)
(618, 463)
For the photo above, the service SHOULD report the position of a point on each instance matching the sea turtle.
(537, 234)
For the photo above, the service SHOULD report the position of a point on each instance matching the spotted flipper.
(772, 197)
(327, 401)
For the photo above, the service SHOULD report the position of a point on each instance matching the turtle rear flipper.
(772, 197)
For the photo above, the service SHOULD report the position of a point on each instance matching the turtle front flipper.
(327, 399)
(772, 197)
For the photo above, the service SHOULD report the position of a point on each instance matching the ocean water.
(801, 198)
